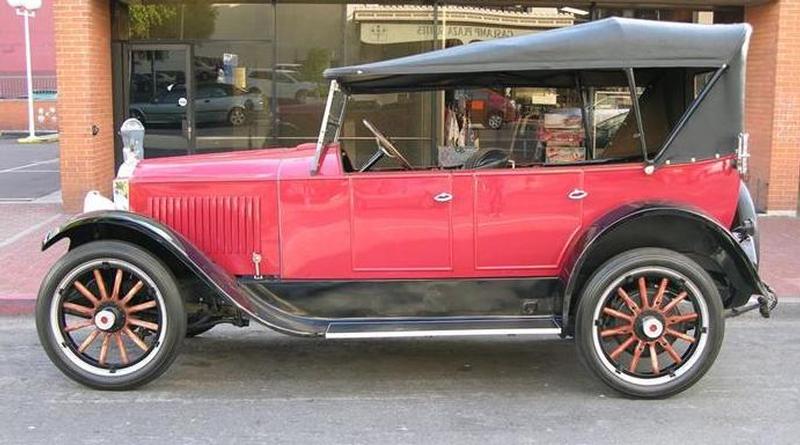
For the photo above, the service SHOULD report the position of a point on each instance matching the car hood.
(262, 164)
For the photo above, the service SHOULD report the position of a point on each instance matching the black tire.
(114, 259)
(623, 372)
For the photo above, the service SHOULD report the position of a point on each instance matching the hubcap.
(105, 320)
(650, 326)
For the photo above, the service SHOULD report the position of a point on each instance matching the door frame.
(128, 48)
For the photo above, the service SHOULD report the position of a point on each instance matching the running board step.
(443, 328)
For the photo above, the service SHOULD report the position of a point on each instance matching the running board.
(443, 328)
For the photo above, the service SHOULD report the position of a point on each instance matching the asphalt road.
(254, 386)
(27, 172)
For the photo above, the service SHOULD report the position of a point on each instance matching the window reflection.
(232, 111)
(256, 71)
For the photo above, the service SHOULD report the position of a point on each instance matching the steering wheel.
(385, 147)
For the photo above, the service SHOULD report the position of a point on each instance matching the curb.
(45, 139)
(17, 305)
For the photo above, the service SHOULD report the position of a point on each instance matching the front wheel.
(650, 322)
(110, 316)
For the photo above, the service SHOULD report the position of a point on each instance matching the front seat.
(487, 158)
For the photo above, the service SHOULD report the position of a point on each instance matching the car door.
(525, 218)
(401, 222)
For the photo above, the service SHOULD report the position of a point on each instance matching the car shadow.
(316, 368)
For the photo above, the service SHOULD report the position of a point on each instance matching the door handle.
(577, 194)
(443, 197)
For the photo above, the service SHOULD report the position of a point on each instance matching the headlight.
(121, 193)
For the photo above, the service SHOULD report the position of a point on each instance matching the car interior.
(597, 131)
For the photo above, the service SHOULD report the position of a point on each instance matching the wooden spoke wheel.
(650, 323)
(110, 316)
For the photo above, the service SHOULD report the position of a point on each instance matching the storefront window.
(251, 73)
(351, 34)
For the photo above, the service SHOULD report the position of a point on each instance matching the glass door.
(160, 94)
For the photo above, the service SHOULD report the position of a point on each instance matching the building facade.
(13, 88)
(207, 76)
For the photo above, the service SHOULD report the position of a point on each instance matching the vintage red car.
(638, 251)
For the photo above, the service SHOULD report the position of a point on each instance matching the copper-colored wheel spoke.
(141, 307)
(622, 330)
(654, 359)
(680, 335)
(628, 300)
(104, 348)
(660, 294)
(131, 293)
(88, 341)
(77, 309)
(135, 338)
(637, 354)
(670, 350)
(117, 284)
(643, 292)
(144, 324)
(86, 293)
(674, 302)
(123, 353)
(101, 284)
(625, 345)
(81, 325)
(618, 314)
(681, 318)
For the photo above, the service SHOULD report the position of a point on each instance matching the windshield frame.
(331, 124)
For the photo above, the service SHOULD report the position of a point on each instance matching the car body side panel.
(524, 219)
(708, 187)
(386, 225)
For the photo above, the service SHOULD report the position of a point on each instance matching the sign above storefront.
(388, 33)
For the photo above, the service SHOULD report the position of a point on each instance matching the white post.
(31, 129)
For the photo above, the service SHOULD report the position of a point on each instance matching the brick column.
(773, 104)
(83, 67)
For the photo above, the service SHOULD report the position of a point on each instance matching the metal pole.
(31, 130)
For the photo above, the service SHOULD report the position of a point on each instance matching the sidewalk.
(22, 227)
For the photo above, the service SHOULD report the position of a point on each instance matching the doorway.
(159, 92)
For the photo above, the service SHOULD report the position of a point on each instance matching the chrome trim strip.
(443, 333)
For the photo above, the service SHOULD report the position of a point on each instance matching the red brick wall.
(83, 67)
(785, 171)
(760, 95)
(773, 104)
(14, 115)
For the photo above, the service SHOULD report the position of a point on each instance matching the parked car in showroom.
(213, 103)
(639, 254)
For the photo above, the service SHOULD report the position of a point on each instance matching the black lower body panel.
(406, 298)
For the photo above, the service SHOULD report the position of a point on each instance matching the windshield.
(331, 123)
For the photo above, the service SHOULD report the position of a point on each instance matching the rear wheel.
(110, 316)
(495, 121)
(650, 322)
(237, 116)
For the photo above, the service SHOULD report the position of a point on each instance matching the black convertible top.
(599, 53)
(604, 44)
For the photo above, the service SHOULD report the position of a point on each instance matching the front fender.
(177, 252)
(635, 225)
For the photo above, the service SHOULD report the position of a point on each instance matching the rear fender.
(701, 238)
(178, 254)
